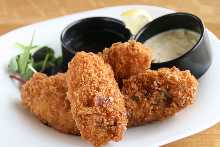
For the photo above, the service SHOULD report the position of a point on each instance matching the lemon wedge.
(135, 19)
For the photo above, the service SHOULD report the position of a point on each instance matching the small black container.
(92, 35)
(198, 59)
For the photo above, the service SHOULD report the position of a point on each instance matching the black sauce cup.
(198, 58)
(91, 35)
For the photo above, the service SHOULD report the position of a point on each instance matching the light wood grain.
(16, 13)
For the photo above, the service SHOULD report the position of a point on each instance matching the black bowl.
(198, 59)
(92, 35)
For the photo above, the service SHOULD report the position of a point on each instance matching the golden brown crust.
(155, 95)
(127, 58)
(45, 97)
(96, 101)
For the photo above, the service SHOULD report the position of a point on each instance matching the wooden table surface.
(17, 13)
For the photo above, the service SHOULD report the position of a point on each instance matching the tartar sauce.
(171, 44)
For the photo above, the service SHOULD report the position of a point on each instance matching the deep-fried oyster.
(46, 98)
(155, 95)
(127, 58)
(96, 101)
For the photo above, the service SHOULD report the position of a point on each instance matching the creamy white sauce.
(171, 44)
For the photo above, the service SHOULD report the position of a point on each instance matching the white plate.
(21, 129)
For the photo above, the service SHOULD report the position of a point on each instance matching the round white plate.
(21, 129)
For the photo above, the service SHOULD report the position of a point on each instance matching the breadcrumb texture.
(46, 98)
(96, 101)
(127, 58)
(156, 95)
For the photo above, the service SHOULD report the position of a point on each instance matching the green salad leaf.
(21, 63)
(34, 58)
(13, 65)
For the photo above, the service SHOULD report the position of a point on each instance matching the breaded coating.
(46, 98)
(127, 59)
(156, 95)
(96, 101)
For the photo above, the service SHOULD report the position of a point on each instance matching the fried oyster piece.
(96, 101)
(45, 97)
(127, 59)
(156, 95)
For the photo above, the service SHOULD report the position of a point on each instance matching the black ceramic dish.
(198, 59)
(92, 35)
(95, 33)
